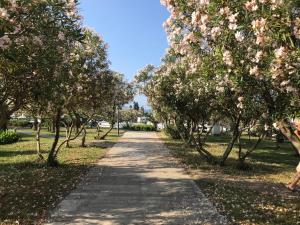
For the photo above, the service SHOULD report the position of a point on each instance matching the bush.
(172, 131)
(8, 137)
(140, 127)
(20, 123)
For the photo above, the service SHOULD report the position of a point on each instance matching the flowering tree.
(119, 93)
(33, 37)
(253, 50)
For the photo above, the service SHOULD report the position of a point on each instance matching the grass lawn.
(28, 188)
(253, 196)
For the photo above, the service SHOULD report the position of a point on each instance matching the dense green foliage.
(140, 127)
(171, 131)
(8, 137)
(20, 123)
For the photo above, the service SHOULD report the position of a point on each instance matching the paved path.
(137, 183)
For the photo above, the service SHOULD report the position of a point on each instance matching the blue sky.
(133, 30)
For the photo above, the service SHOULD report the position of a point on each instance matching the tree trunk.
(35, 124)
(52, 161)
(67, 136)
(230, 145)
(77, 123)
(110, 129)
(83, 137)
(38, 141)
(71, 139)
(242, 157)
(4, 118)
(69, 132)
(97, 137)
(289, 134)
(52, 126)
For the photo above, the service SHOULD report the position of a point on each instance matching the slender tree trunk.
(35, 124)
(67, 135)
(53, 126)
(52, 161)
(77, 123)
(243, 157)
(71, 139)
(98, 132)
(289, 134)
(230, 145)
(69, 131)
(110, 129)
(83, 137)
(38, 141)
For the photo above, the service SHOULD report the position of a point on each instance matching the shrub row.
(20, 123)
(140, 127)
(8, 137)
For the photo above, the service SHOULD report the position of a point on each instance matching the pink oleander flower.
(259, 25)
(225, 11)
(215, 32)
(251, 5)
(232, 26)
(61, 36)
(227, 58)
(254, 71)
(280, 53)
(261, 40)
(240, 105)
(276, 4)
(5, 42)
(203, 2)
(204, 19)
(191, 37)
(258, 56)
(232, 18)
(195, 17)
(3, 13)
(241, 99)
(239, 36)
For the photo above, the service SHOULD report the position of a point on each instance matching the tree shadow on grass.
(30, 189)
(245, 201)
(6, 153)
(261, 162)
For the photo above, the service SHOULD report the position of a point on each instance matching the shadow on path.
(138, 183)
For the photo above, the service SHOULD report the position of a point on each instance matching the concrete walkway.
(137, 183)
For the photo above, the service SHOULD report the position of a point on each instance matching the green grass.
(28, 188)
(253, 196)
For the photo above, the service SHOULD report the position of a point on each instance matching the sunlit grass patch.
(245, 196)
(28, 188)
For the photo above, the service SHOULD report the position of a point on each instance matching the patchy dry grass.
(254, 196)
(28, 188)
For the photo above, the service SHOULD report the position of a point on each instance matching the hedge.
(20, 123)
(8, 137)
(140, 127)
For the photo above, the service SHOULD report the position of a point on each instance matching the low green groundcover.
(140, 127)
(8, 137)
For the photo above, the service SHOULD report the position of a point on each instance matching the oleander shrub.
(8, 137)
(20, 123)
(172, 131)
(140, 127)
